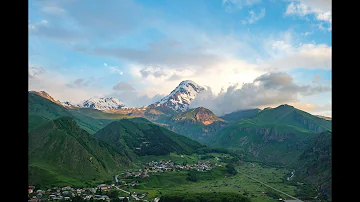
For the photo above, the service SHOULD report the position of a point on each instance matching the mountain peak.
(102, 103)
(180, 98)
(187, 82)
(285, 106)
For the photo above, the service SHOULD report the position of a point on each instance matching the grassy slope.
(278, 143)
(241, 114)
(277, 135)
(315, 163)
(97, 114)
(128, 134)
(285, 114)
(41, 109)
(61, 153)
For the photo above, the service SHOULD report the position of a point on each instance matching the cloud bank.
(266, 90)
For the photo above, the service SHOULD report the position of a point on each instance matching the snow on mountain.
(102, 103)
(180, 98)
(67, 104)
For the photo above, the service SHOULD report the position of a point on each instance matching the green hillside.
(61, 153)
(274, 135)
(240, 114)
(286, 114)
(271, 143)
(315, 163)
(138, 136)
(41, 109)
(97, 114)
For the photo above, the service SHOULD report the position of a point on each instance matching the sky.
(246, 53)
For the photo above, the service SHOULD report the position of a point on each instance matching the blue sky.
(80, 49)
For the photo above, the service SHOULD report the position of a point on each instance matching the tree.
(230, 169)
(114, 194)
(98, 191)
(192, 177)
(77, 199)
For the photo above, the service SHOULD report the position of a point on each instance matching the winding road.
(136, 198)
(269, 186)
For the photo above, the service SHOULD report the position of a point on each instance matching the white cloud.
(298, 9)
(315, 109)
(36, 25)
(253, 17)
(306, 33)
(114, 69)
(240, 3)
(326, 16)
(233, 5)
(164, 80)
(53, 10)
(310, 56)
(124, 87)
(34, 70)
(321, 9)
(65, 88)
(266, 90)
(286, 52)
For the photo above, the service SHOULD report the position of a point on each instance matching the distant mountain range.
(179, 99)
(106, 130)
(102, 103)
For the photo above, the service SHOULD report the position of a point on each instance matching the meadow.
(218, 180)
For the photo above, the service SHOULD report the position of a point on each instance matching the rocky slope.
(198, 124)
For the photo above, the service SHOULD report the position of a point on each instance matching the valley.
(163, 150)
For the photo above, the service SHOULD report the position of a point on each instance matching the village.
(104, 192)
(163, 166)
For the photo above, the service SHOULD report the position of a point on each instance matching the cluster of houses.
(169, 165)
(162, 166)
(67, 193)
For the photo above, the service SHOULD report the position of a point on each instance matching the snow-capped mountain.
(67, 104)
(102, 103)
(180, 98)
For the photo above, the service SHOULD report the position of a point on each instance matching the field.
(190, 159)
(217, 180)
